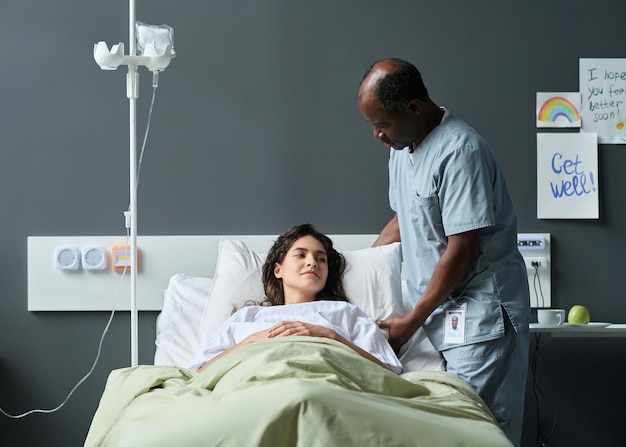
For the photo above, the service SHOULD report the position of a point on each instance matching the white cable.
(93, 366)
(117, 289)
(155, 84)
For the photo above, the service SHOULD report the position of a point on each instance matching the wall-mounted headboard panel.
(160, 257)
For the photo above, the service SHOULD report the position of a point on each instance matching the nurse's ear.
(414, 107)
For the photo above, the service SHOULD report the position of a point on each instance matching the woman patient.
(302, 279)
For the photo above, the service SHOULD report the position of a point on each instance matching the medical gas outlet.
(72, 257)
(94, 257)
(67, 257)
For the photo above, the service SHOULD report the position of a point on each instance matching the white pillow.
(372, 281)
(178, 324)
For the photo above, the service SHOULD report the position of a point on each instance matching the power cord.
(542, 440)
(155, 84)
(537, 284)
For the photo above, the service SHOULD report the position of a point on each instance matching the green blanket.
(290, 391)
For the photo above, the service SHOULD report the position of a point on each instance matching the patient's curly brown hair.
(332, 291)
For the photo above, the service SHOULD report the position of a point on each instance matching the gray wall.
(255, 128)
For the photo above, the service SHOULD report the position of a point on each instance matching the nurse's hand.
(400, 330)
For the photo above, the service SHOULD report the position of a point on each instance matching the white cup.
(551, 317)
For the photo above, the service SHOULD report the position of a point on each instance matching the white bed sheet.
(179, 323)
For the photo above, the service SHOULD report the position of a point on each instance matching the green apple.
(578, 315)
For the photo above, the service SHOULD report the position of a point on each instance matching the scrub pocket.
(426, 217)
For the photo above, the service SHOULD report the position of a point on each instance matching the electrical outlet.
(536, 262)
(531, 242)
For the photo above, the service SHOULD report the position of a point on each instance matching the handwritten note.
(603, 91)
(567, 176)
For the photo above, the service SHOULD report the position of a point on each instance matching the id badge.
(454, 324)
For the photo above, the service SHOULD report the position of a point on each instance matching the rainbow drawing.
(558, 106)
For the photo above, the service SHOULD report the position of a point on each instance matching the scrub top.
(451, 184)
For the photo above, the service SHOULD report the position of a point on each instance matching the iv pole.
(132, 84)
(110, 60)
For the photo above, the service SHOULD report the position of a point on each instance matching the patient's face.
(304, 270)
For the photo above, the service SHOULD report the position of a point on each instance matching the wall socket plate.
(535, 249)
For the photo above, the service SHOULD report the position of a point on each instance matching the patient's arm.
(261, 335)
(287, 328)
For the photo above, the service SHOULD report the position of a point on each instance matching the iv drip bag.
(159, 35)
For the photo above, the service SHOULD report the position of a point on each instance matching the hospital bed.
(288, 391)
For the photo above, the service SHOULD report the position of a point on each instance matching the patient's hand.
(257, 336)
(287, 328)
